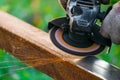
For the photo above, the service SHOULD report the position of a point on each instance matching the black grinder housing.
(78, 32)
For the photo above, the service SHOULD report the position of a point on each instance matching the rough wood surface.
(34, 47)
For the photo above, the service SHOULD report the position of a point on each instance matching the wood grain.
(35, 48)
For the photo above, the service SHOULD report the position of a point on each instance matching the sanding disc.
(56, 35)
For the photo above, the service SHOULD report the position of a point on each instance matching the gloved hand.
(111, 24)
(64, 2)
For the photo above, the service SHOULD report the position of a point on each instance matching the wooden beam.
(35, 48)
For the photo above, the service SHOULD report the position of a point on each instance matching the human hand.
(111, 24)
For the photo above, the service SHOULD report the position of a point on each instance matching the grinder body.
(78, 33)
(83, 14)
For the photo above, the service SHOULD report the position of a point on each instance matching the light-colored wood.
(35, 48)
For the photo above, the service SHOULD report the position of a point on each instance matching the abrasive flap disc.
(57, 37)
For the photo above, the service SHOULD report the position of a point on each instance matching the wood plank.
(35, 48)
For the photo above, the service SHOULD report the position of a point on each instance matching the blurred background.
(38, 13)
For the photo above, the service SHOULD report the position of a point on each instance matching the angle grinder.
(78, 32)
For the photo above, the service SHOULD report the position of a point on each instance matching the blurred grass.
(37, 13)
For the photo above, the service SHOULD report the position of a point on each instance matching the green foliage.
(37, 13)
(114, 1)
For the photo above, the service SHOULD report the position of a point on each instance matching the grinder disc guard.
(57, 37)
